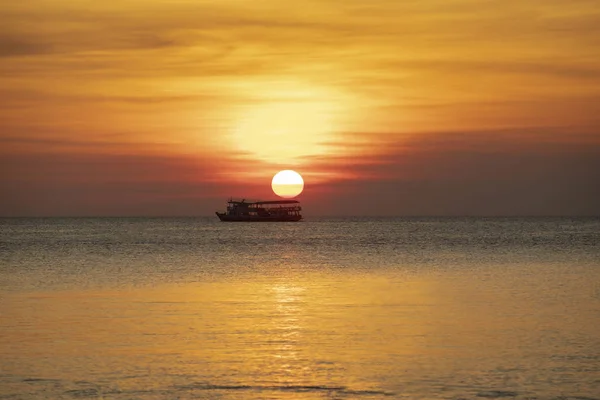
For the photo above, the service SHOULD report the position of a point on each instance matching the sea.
(326, 308)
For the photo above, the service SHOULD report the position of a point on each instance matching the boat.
(261, 211)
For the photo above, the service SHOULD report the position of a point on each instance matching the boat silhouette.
(261, 211)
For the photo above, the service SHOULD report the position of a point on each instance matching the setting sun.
(287, 184)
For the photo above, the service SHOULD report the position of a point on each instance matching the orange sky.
(429, 107)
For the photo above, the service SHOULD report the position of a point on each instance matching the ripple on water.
(329, 390)
(575, 398)
(494, 394)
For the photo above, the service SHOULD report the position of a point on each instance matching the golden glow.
(287, 184)
(286, 124)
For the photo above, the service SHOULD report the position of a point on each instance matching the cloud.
(72, 183)
(552, 67)
(143, 94)
(508, 172)
(16, 46)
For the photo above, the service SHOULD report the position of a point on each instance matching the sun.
(287, 184)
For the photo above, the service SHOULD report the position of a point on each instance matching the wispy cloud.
(441, 91)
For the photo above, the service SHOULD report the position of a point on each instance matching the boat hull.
(255, 218)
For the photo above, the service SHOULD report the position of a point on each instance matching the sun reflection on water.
(285, 333)
(280, 334)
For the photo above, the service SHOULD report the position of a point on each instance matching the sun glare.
(287, 124)
(287, 184)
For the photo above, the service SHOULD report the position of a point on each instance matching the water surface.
(327, 308)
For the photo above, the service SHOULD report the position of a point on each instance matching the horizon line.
(316, 216)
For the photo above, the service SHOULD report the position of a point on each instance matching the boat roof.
(265, 202)
(277, 202)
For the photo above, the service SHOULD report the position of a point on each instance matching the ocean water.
(347, 308)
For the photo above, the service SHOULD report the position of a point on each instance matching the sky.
(386, 107)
